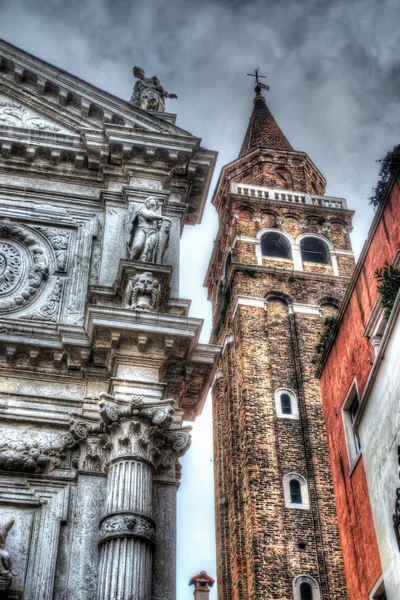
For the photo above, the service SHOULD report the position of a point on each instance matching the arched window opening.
(306, 591)
(295, 492)
(286, 404)
(314, 250)
(276, 245)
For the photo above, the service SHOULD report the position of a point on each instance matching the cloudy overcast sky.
(334, 72)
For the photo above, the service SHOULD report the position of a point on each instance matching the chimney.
(202, 585)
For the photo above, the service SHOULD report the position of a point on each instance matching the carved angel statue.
(148, 92)
(6, 572)
(147, 239)
(143, 292)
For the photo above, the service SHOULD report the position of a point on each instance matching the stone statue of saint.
(143, 292)
(148, 92)
(6, 572)
(147, 239)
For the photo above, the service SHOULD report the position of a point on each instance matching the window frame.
(353, 446)
(322, 241)
(294, 415)
(281, 234)
(298, 580)
(305, 503)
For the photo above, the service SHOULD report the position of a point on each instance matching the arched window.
(314, 249)
(305, 588)
(286, 404)
(295, 491)
(228, 262)
(306, 591)
(276, 245)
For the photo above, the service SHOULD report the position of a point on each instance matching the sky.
(334, 73)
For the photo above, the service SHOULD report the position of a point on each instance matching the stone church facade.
(99, 361)
(280, 267)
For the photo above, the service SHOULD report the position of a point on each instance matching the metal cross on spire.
(259, 85)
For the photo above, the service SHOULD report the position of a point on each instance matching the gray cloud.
(334, 72)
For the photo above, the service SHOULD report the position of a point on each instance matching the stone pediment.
(15, 114)
(39, 85)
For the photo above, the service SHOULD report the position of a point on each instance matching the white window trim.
(259, 255)
(377, 590)
(305, 505)
(327, 242)
(297, 581)
(278, 405)
(352, 453)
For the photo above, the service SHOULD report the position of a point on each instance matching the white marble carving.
(143, 292)
(20, 279)
(14, 114)
(147, 239)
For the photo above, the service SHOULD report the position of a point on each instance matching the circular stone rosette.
(23, 266)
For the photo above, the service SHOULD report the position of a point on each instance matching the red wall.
(351, 356)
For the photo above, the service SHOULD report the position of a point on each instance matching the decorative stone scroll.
(60, 240)
(148, 233)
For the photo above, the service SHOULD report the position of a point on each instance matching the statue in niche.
(148, 93)
(147, 238)
(6, 572)
(143, 292)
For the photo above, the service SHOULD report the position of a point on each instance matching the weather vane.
(259, 85)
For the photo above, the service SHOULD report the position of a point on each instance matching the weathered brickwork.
(268, 316)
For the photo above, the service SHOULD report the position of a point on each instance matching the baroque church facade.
(100, 363)
(279, 270)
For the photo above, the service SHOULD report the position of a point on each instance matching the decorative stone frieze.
(13, 114)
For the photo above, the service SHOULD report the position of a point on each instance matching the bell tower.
(279, 269)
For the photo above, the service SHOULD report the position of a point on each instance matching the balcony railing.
(255, 191)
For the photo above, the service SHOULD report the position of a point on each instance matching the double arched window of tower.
(275, 245)
(306, 588)
(314, 249)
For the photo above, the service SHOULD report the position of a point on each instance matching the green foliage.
(389, 165)
(389, 280)
(330, 324)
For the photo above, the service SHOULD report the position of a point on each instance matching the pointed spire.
(263, 130)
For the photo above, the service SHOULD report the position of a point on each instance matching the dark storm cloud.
(333, 68)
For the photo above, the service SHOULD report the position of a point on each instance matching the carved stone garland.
(132, 442)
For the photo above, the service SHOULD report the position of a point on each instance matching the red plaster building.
(346, 376)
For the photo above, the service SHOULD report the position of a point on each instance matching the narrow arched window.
(306, 591)
(276, 245)
(295, 491)
(305, 588)
(314, 249)
(286, 404)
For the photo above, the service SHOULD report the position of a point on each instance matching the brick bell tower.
(280, 266)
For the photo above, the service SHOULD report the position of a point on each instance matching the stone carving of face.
(152, 203)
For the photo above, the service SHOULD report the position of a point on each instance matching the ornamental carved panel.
(24, 266)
